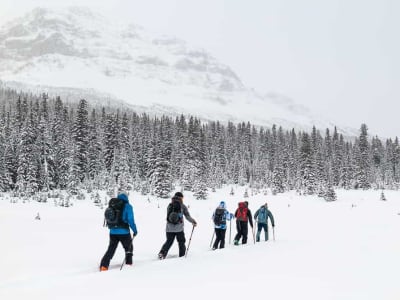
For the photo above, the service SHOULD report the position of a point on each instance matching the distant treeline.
(46, 144)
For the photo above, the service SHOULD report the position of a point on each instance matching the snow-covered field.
(348, 249)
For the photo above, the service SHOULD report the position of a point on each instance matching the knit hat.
(222, 204)
(178, 194)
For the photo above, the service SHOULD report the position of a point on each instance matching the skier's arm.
(256, 214)
(131, 219)
(250, 217)
(228, 215)
(271, 217)
(187, 215)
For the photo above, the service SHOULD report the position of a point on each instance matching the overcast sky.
(340, 58)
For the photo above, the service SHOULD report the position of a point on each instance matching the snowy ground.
(348, 249)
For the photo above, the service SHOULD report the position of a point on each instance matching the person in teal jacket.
(121, 234)
(261, 217)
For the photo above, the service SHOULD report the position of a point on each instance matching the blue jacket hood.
(123, 197)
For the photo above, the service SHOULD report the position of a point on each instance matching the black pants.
(242, 230)
(259, 228)
(219, 238)
(126, 242)
(180, 237)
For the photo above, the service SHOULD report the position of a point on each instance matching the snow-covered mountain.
(75, 52)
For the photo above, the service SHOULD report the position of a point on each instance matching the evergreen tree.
(363, 160)
(81, 141)
(307, 170)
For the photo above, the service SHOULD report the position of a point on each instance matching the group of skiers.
(120, 220)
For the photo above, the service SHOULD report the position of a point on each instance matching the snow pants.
(180, 237)
(126, 242)
(219, 238)
(242, 230)
(261, 226)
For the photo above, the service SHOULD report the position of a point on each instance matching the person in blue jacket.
(121, 234)
(220, 216)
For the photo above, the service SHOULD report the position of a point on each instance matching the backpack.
(174, 212)
(113, 214)
(262, 215)
(219, 217)
(241, 213)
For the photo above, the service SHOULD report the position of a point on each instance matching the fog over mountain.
(77, 53)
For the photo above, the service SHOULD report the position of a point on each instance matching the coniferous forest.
(46, 144)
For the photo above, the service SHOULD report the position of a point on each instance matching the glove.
(134, 234)
(194, 224)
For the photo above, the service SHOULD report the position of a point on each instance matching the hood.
(123, 197)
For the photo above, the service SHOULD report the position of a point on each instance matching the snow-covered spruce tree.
(61, 144)
(200, 190)
(179, 149)
(162, 178)
(279, 178)
(27, 181)
(377, 168)
(95, 154)
(110, 140)
(330, 194)
(44, 145)
(191, 159)
(81, 140)
(337, 157)
(363, 160)
(120, 171)
(307, 170)
(293, 159)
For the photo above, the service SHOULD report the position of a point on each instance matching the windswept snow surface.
(348, 249)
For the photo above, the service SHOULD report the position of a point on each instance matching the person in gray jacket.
(175, 225)
(261, 217)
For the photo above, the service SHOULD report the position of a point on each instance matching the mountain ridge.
(80, 50)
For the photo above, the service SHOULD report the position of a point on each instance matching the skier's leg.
(245, 230)
(167, 245)
(112, 246)
(126, 242)
(217, 238)
(222, 244)
(259, 227)
(180, 237)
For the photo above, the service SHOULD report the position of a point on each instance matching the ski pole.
(254, 238)
(230, 230)
(190, 239)
(273, 232)
(212, 238)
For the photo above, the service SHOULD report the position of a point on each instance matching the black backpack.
(219, 217)
(174, 212)
(113, 214)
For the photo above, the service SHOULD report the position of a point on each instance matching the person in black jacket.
(243, 216)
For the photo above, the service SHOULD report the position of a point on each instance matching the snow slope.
(348, 249)
(53, 50)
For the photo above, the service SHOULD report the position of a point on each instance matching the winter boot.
(102, 268)
(161, 256)
(236, 243)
